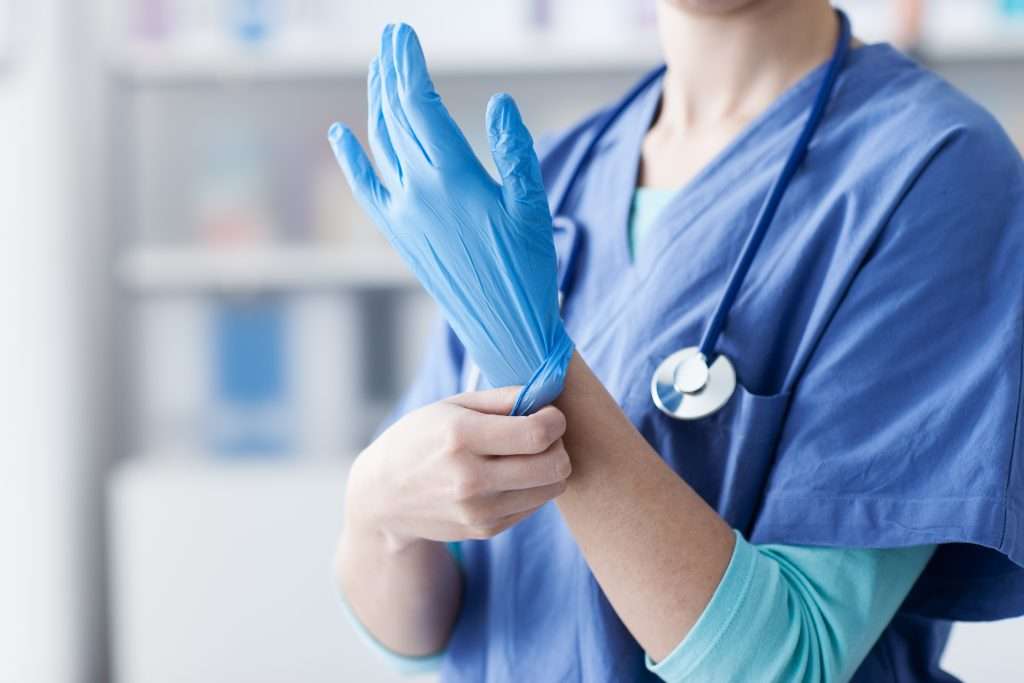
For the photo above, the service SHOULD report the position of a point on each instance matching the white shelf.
(954, 30)
(148, 67)
(1006, 44)
(157, 66)
(158, 268)
(192, 467)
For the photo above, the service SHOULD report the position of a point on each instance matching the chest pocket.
(727, 456)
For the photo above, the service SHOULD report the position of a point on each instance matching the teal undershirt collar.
(647, 205)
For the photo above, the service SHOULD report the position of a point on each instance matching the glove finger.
(402, 134)
(380, 141)
(359, 173)
(513, 153)
(429, 118)
(410, 62)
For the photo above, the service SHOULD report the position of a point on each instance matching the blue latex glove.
(483, 250)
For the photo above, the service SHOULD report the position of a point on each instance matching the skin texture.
(719, 7)
(462, 469)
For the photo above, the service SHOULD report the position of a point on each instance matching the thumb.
(512, 150)
(492, 401)
(366, 187)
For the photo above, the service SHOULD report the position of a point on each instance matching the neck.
(730, 66)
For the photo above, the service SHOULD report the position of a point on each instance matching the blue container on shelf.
(252, 411)
(1013, 8)
(253, 21)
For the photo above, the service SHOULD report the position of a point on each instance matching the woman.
(826, 518)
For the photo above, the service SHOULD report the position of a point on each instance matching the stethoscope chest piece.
(686, 388)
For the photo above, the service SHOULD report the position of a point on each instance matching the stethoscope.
(695, 381)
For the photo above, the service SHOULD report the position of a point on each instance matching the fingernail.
(335, 132)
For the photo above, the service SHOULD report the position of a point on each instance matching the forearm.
(406, 595)
(624, 502)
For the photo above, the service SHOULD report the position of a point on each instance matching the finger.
(411, 64)
(512, 502)
(494, 401)
(514, 156)
(359, 173)
(423, 108)
(517, 472)
(380, 141)
(400, 131)
(484, 434)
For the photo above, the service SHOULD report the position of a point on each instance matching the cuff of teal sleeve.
(456, 551)
(547, 381)
(716, 618)
(404, 664)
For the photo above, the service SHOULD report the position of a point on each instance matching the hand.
(459, 469)
(483, 250)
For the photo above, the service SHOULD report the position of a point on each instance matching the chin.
(711, 6)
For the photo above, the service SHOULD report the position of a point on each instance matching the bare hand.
(459, 469)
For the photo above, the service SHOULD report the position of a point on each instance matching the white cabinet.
(221, 573)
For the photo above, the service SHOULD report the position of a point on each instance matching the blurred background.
(199, 328)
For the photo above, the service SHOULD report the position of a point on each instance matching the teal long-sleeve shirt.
(781, 612)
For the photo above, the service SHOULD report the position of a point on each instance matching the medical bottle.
(253, 21)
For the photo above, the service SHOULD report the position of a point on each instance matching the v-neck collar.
(622, 148)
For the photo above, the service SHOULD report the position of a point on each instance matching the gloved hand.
(483, 250)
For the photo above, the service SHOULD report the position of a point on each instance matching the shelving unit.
(950, 46)
(156, 68)
(164, 66)
(957, 31)
(981, 37)
(162, 269)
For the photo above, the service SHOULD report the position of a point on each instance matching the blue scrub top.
(878, 345)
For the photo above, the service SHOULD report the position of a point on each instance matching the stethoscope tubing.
(778, 190)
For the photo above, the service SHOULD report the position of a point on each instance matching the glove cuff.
(548, 380)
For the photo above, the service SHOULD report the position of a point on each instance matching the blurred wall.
(48, 244)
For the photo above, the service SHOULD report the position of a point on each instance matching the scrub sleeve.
(904, 428)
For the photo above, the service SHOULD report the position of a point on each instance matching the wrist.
(548, 380)
(366, 514)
